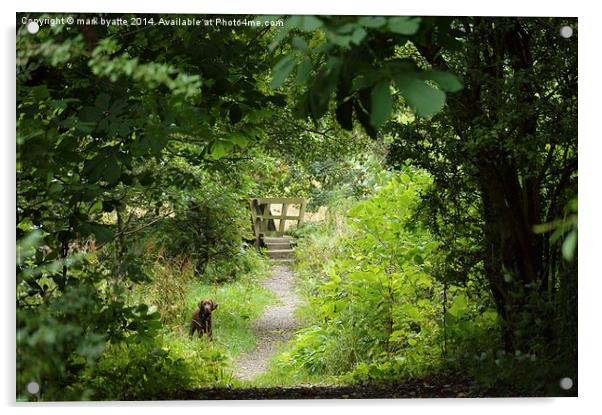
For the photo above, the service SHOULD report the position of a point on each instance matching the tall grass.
(172, 361)
(171, 277)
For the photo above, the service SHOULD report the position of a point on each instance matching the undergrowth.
(374, 309)
(166, 362)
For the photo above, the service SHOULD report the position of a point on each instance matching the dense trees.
(504, 146)
(132, 139)
(518, 150)
(118, 143)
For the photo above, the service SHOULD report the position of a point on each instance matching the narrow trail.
(275, 326)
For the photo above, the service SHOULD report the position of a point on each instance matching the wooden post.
(282, 219)
(301, 213)
(255, 220)
(265, 211)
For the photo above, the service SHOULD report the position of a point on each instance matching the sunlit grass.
(175, 291)
(238, 304)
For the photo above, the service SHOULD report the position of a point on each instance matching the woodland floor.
(431, 387)
(274, 327)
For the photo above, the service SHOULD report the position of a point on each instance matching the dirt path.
(274, 327)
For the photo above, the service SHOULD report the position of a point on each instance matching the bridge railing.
(264, 221)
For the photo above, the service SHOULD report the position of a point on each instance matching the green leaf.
(425, 99)
(93, 168)
(404, 25)
(55, 187)
(381, 104)
(90, 114)
(412, 312)
(446, 81)
(102, 101)
(358, 35)
(96, 207)
(569, 246)
(346, 28)
(104, 165)
(220, 148)
(418, 260)
(459, 306)
(303, 71)
(339, 40)
(396, 335)
(239, 139)
(309, 23)
(152, 140)
(372, 22)
(40, 92)
(303, 23)
(366, 80)
(300, 44)
(281, 71)
(112, 171)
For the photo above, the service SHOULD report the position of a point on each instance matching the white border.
(371, 7)
(590, 188)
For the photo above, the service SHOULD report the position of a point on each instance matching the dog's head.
(207, 306)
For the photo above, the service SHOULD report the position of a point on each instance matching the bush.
(209, 225)
(376, 306)
(158, 369)
(62, 330)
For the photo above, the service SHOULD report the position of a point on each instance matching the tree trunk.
(513, 252)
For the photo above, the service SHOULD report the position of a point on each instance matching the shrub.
(158, 369)
(376, 306)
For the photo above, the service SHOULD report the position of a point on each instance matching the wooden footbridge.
(271, 217)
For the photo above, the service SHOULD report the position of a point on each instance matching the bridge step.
(278, 245)
(281, 261)
(281, 253)
(280, 248)
(277, 239)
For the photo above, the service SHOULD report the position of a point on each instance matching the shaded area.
(432, 387)
(443, 386)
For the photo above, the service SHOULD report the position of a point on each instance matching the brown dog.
(201, 319)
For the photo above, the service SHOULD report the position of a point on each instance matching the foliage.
(504, 167)
(376, 310)
(153, 370)
(58, 337)
(168, 288)
(138, 150)
(116, 146)
(351, 57)
(496, 127)
(207, 224)
(163, 366)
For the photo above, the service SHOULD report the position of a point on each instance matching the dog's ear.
(200, 304)
(214, 306)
